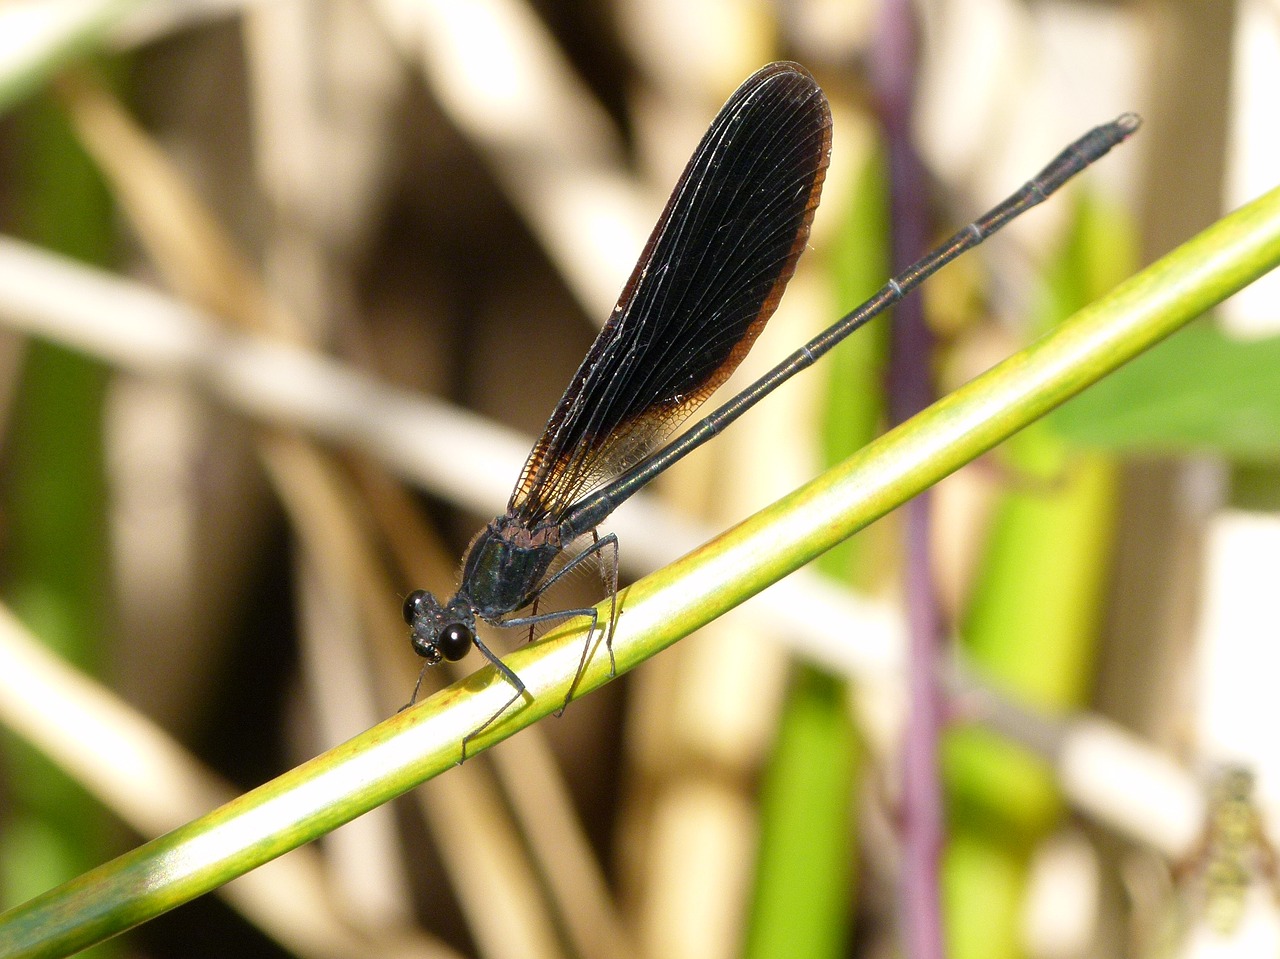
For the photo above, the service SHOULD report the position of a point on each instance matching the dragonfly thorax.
(505, 564)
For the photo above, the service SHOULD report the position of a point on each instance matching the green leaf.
(807, 861)
(1200, 392)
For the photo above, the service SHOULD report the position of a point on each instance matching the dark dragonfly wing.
(709, 278)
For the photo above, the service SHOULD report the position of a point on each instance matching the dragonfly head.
(439, 632)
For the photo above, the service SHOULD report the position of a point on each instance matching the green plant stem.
(419, 743)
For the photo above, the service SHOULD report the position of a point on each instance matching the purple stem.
(911, 390)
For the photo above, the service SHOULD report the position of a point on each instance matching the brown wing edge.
(770, 303)
(536, 466)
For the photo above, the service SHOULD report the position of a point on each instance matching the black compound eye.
(454, 641)
(412, 603)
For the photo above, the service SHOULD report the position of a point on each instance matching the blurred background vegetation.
(447, 197)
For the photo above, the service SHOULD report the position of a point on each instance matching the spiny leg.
(598, 545)
(486, 724)
(587, 611)
(611, 584)
(582, 663)
(534, 613)
(417, 687)
(514, 681)
(610, 580)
